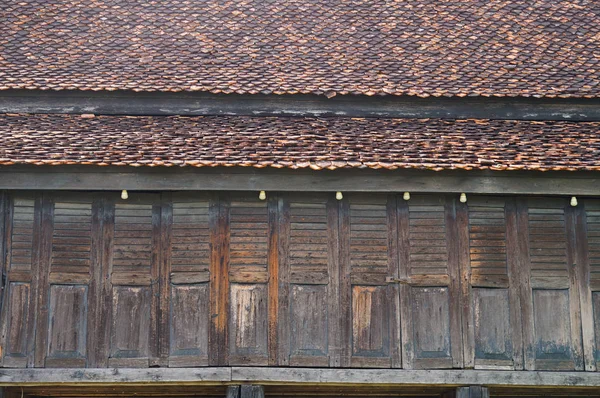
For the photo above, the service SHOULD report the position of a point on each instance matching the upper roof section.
(543, 48)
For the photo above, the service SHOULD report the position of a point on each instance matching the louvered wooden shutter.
(429, 291)
(188, 265)
(308, 277)
(66, 259)
(368, 254)
(248, 252)
(18, 318)
(494, 325)
(551, 312)
(134, 262)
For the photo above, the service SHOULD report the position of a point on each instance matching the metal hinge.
(391, 279)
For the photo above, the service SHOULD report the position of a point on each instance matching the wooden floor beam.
(294, 376)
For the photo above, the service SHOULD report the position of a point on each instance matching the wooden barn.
(252, 199)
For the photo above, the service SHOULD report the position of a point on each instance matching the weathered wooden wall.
(215, 279)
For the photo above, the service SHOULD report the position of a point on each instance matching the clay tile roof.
(317, 143)
(411, 47)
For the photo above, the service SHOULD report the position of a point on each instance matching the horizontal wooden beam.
(296, 376)
(201, 104)
(94, 178)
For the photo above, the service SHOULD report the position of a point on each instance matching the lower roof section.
(299, 143)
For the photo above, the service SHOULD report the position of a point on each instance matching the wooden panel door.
(133, 265)
(368, 257)
(23, 221)
(493, 318)
(550, 300)
(429, 284)
(185, 295)
(251, 254)
(70, 232)
(309, 333)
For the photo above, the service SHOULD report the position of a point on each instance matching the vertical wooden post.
(43, 273)
(575, 285)
(515, 280)
(456, 336)
(404, 259)
(524, 285)
(166, 223)
(283, 308)
(218, 339)
(233, 392)
(345, 287)
(333, 302)
(273, 289)
(252, 391)
(393, 290)
(466, 301)
(3, 270)
(95, 319)
(472, 392)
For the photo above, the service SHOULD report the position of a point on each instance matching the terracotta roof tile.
(316, 143)
(412, 47)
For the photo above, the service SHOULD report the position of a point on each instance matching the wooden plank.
(76, 377)
(414, 377)
(94, 178)
(304, 376)
(582, 270)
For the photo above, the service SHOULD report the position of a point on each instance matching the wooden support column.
(468, 392)
(233, 392)
(252, 391)
(245, 391)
